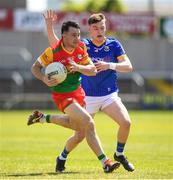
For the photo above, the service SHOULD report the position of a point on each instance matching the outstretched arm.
(50, 17)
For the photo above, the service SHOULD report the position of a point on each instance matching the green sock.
(103, 159)
(102, 156)
(48, 118)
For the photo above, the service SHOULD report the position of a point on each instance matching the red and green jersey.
(60, 54)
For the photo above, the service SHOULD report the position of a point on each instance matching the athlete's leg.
(118, 112)
(63, 120)
(74, 140)
(86, 124)
(71, 143)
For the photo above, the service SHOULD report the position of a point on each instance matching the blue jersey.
(104, 82)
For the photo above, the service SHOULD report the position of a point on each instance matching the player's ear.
(63, 35)
(105, 27)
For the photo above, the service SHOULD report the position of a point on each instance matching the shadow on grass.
(36, 174)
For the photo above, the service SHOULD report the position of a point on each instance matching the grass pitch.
(30, 152)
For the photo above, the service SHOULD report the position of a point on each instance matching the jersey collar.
(69, 52)
(99, 44)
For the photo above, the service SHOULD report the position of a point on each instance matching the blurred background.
(145, 28)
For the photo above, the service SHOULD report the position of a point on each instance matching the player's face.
(97, 31)
(72, 37)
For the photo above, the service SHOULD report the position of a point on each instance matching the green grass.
(30, 152)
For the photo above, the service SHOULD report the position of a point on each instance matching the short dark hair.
(66, 25)
(95, 18)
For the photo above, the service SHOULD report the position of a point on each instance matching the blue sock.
(64, 154)
(120, 148)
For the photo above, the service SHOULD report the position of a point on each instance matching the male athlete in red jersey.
(68, 95)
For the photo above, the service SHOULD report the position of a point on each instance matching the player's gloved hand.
(50, 81)
(101, 66)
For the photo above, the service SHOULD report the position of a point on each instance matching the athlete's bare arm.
(50, 17)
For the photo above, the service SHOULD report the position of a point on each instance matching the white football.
(57, 71)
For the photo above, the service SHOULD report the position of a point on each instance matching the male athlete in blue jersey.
(108, 52)
(101, 90)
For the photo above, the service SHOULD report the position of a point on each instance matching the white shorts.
(97, 103)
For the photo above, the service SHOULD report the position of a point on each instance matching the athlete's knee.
(89, 123)
(80, 137)
(125, 123)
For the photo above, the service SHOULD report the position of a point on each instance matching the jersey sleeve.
(122, 57)
(119, 51)
(46, 57)
(86, 59)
